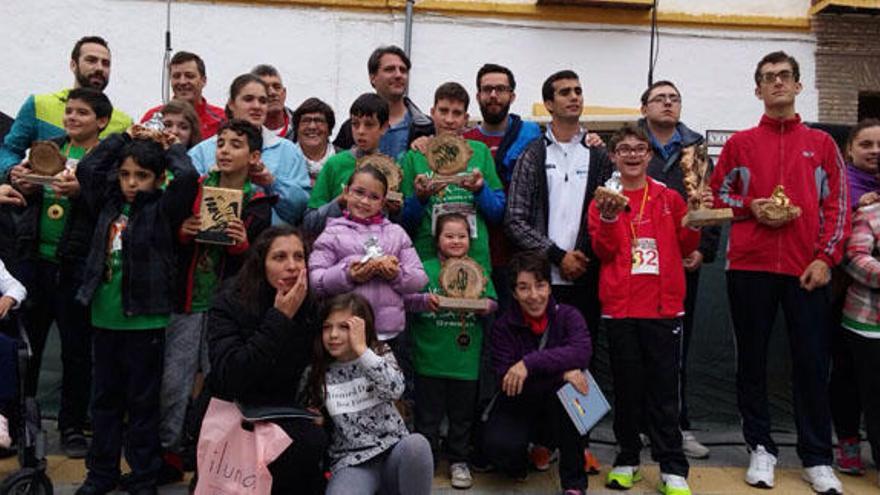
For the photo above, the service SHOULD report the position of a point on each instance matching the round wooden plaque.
(448, 154)
(45, 158)
(462, 278)
(386, 165)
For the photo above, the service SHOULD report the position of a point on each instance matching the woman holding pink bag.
(260, 334)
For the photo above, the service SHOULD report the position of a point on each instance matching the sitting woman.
(355, 380)
(260, 334)
(537, 346)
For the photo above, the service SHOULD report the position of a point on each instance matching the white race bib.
(645, 257)
(349, 397)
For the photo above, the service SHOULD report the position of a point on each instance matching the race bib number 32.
(645, 258)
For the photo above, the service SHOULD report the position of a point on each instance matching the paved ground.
(722, 473)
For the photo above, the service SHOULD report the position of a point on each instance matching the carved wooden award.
(218, 207)
(389, 168)
(462, 282)
(781, 208)
(695, 170)
(612, 191)
(46, 161)
(448, 157)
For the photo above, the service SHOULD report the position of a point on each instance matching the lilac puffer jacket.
(342, 243)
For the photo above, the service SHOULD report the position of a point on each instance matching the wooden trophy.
(781, 208)
(219, 205)
(462, 282)
(695, 170)
(389, 168)
(448, 157)
(612, 191)
(46, 161)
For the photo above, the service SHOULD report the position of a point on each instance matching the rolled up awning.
(844, 6)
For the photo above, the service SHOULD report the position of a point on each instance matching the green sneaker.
(672, 484)
(623, 477)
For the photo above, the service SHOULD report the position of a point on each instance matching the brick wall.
(847, 62)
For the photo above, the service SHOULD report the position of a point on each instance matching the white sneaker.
(823, 480)
(673, 484)
(691, 447)
(761, 465)
(5, 439)
(460, 475)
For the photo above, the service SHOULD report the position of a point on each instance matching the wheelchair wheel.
(27, 482)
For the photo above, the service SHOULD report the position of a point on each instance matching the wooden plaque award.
(46, 161)
(462, 282)
(781, 208)
(389, 168)
(612, 191)
(219, 205)
(695, 170)
(448, 157)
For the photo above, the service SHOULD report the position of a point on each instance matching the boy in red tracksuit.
(640, 247)
(788, 262)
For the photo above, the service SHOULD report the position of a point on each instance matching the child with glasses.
(640, 247)
(363, 252)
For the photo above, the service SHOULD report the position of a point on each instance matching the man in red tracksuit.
(640, 247)
(771, 261)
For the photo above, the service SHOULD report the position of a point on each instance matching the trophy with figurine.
(694, 165)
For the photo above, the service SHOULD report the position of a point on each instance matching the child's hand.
(191, 226)
(473, 182)
(424, 188)
(261, 176)
(361, 272)
(577, 379)
(357, 335)
(420, 144)
(319, 418)
(389, 267)
(10, 196)
(869, 198)
(289, 302)
(393, 206)
(433, 302)
(66, 184)
(235, 229)
(16, 176)
(608, 207)
(6, 303)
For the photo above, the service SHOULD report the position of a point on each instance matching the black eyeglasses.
(664, 98)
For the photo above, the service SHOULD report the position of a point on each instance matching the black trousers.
(454, 399)
(514, 421)
(52, 297)
(843, 391)
(866, 354)
(127, 377)
(298, 469)
(692, 279)
(584, 297)
(754, 299)
(645, 363)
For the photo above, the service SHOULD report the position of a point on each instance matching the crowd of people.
(325, 295)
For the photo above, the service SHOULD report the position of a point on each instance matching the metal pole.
(166, 69)
(653, 35)
(407, 34)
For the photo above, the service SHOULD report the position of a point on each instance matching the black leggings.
(298, 469)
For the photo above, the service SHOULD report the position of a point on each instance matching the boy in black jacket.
(129, 284)
(51, 239)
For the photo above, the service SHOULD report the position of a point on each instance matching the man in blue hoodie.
(661, 109)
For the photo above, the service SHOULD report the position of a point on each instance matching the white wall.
(323, 53)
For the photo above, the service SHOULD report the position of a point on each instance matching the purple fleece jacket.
(342, 243)
(568, 346)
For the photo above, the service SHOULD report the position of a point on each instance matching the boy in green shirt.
(52, 240)
(480, 197)
(129, 284)
(369, 121)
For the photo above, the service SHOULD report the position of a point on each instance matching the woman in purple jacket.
(537, 346)
(363, 252)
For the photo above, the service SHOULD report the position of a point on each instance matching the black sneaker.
(89, 488)
(168, 475)
(74, 443)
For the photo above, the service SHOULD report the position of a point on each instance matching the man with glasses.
(506, 135)
(669, 137)
(279, 118)
(389, 68)
(787, 260)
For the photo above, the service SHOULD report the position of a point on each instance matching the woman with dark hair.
(313, 121)
(260, 334)
(282, 170)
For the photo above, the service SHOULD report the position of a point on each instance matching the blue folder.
(584, 410)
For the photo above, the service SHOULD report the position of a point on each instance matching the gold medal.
(55, 211)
